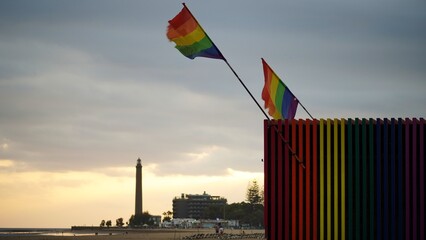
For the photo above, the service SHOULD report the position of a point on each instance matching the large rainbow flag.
(279, 100)
(190, 38)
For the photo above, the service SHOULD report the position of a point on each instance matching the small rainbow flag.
(190, 38)
(277, 96)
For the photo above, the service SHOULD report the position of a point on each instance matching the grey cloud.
(84, 84)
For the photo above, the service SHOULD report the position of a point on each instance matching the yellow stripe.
(321, 207)
(342, 174)
(274, 86)
(273, 92)
(336, 176)
(276, 115)
(193, 37)
(328, 179)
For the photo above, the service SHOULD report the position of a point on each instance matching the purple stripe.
(212, 52)
(293, 108)
(289, 105)
(422, 180)
(407, 180)
(392, 181)
(414, 167)
(400, 181)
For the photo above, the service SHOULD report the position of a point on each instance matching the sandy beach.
(163, 234)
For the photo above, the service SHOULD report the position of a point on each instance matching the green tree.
(108, 223)
(167, 216)
(102, 223)
(141, 219)
(251, 211)
(119, 222)
(213, 212)
(253, 195)
(246, 213)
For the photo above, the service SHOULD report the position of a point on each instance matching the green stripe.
(349, 189)
(357, 180)
(371, 139)
(364, 179)
(197, 47)
(279, 97)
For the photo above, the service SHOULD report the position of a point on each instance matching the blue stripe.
(400, 192)
(392, 181)
(385, 181)
(364, 188)
(378, 181)
(287, 99)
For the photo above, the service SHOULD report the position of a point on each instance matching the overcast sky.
(87, 87)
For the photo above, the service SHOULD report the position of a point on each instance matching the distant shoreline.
(98, 233)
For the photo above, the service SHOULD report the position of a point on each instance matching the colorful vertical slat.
(315, 202)
(422, 171)
(363, 179)
(371, 161)
(294, 199)
(321, 181)
(287, 185)
(300, 186)
(280, 182)
(336, 179)
(343, 179)
(308, 172)
(350, 193)
(408, 230)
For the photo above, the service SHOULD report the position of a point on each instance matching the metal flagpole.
(293, 153)
(269, 119)
(305, 109)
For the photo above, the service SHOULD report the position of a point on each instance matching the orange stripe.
(181, 31)
(293, 182)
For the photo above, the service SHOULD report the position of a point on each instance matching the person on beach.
(220, 228)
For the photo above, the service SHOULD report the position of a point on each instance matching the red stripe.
(301, 170)
(269, 104)
(422, 180)
(273, 184)
(182, 30)
(183, 16)
(266, 177)
(314, 179)
(308, 174)
(286, 184)
(293, 183)
(280, 183)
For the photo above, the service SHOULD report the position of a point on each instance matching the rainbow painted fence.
(363, 179)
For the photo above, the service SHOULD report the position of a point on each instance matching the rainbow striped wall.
(363, 179)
